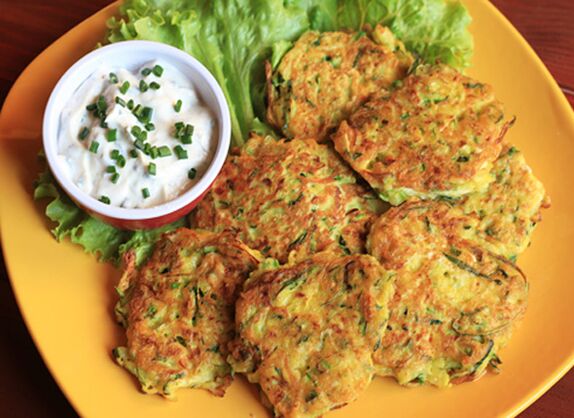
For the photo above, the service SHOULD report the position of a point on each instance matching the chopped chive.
(130, 104)
(157, 70)
(104, 199)
(136, 131)
(114, 154)
(84, 132)
(121, 161)
(145, 192)
(91, 107)
(177, 105)
(179, 126)
(94, 146)
(151, 169)
(154, 86)
(191, 173)
(149, 126)
(110, 169)
(120, 101)
(125, 87)
(180, 152)
(113, 78)
(112, 135)
(186, 139)
(139, 144)
(103, 124)
(164, 151)
(134, 153)
(147, 149)
(137, 111)
(101, 104)
(145, 114)
(189, 129)
(146, 72)
(143, 86)
(115, 177)
(154, 152)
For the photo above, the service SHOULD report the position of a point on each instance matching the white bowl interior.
(131, 55)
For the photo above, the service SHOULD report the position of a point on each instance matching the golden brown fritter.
(307, 331)
(289, 199)
(502, 218)
(326, 76)
(438, 135)
(455, 304)
(178, 310)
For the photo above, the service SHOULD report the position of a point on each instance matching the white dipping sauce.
(93, 160)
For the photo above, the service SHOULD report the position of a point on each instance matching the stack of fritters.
(434, 300)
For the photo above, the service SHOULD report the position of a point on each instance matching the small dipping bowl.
(131, 55)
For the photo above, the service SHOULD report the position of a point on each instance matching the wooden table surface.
(28, 26)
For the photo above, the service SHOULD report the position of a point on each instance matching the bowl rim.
(170, 54)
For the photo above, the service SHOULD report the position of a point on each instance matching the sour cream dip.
(136, 139)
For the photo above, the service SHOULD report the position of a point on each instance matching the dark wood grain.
(28, 26)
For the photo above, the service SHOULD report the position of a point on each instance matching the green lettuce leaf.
(436, 30)
(96, 237)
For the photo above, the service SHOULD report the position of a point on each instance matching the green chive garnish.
(191, 173)
(91, 107)
(154, 86)
(154, 152)
(120, 101)
(164, 151)
(180, 152)
(84, 132)
(110, 169)
(145, 114)
(149, 126)
(139, 144)
(101, 104)
(121, 161)
(113, 78)
(114, 154)
(125, 87)
(177, 105)
(143, 86)
(157, 70)
(145, 192)
(151, 169)
(104, 199)
(134, 153)
(115, 177)
(146, 72)
(130, 104)
(112, 135)
(94, 146)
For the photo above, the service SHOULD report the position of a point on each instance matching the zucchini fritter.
(178, 310)
(502, 218)
(307, 331)
(289, 199)
(326, 76)
(455, 304)
(438, 135)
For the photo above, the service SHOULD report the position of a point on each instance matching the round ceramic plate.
(66, 297)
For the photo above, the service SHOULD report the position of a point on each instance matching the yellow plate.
(66, 297)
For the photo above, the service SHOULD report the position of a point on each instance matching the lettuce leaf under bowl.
(96, 237)
(232, 38)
